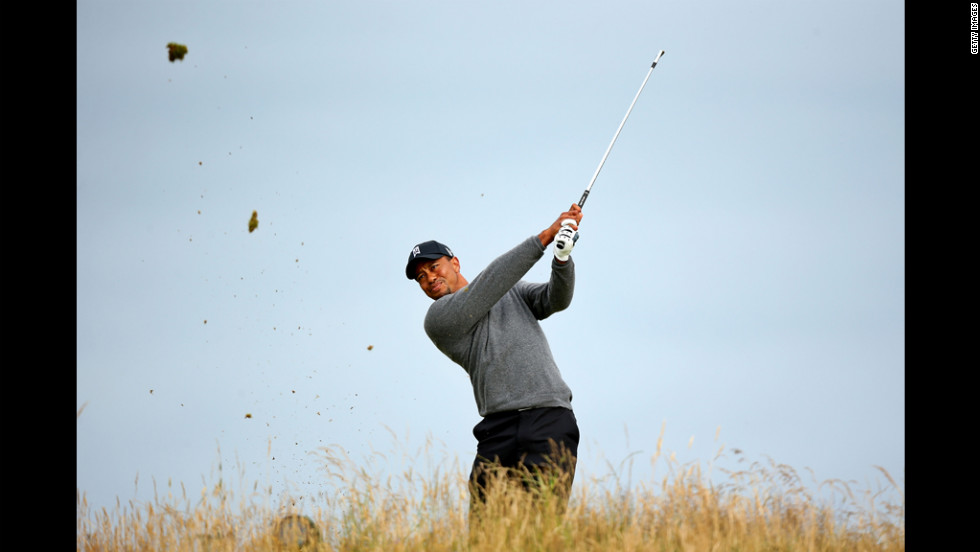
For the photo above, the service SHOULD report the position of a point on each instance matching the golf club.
(561, 242)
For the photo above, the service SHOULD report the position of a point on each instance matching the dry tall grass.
(762, 508)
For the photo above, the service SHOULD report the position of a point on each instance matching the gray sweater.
(491, 329)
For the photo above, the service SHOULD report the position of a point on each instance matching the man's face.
(438, 277)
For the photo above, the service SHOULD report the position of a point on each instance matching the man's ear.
(455, 262)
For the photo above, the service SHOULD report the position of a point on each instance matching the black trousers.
(532, 441)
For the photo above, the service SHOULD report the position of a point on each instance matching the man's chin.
(443, 291)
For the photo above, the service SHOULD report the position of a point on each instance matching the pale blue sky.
(741, 265)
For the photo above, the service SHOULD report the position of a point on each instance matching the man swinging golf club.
(490, 327)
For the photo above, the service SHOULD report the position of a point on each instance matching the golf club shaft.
(581, 202)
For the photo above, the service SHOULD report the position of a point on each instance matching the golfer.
(491, 328)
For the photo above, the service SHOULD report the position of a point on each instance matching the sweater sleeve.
(545, 299)
(458, 312)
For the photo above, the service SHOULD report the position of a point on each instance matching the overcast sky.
(740, 271)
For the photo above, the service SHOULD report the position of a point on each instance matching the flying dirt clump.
(253, 223)
(177, 51)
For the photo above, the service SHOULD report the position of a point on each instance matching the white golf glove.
(565, 241)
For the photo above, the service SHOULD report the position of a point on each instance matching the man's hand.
(569, 220)
(565, 241)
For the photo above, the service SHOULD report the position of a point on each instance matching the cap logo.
(416, 252)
